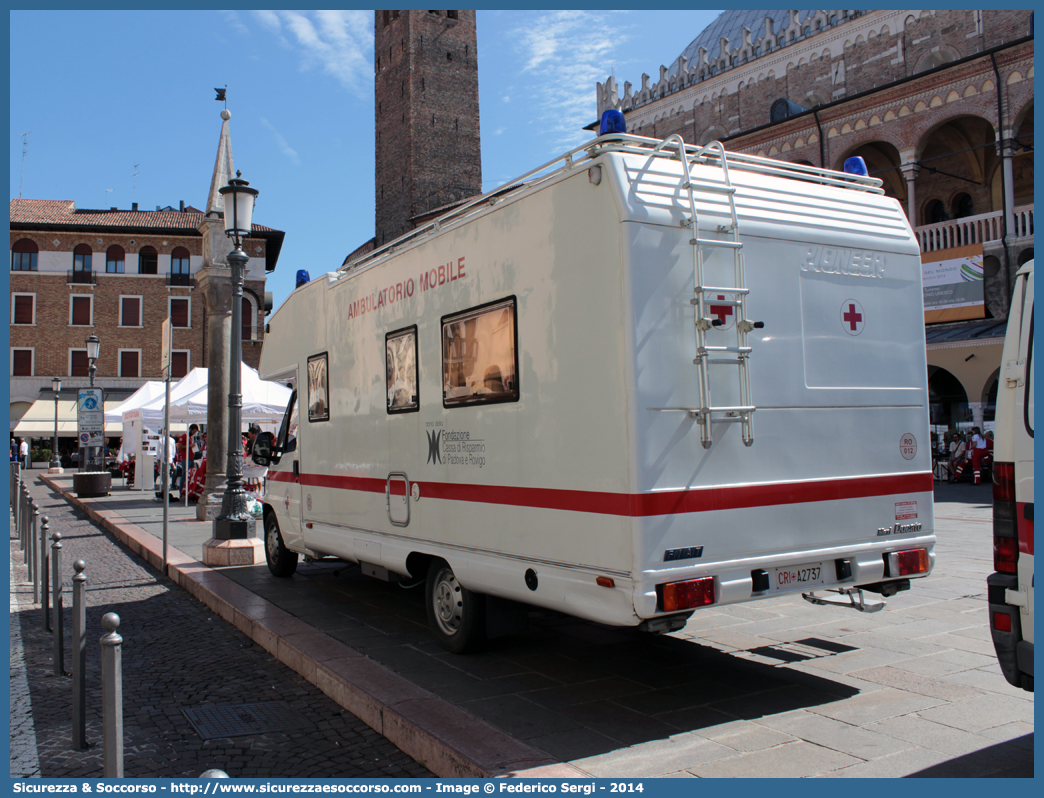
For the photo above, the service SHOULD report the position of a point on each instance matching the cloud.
(567, 51)
(285, 148)
(235, 23)
(338, 43)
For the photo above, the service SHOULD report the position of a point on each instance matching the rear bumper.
(1014, 654)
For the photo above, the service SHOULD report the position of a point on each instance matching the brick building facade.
(938, 103)
(116, 274)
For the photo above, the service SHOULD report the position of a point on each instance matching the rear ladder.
(707, 355)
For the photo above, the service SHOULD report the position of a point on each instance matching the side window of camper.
(318, 388)
(401, 359)
(480, 355)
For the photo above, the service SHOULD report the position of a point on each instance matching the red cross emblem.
(722, 312)
(852, 317)
(286, 502)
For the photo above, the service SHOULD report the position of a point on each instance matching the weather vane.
(221, 95)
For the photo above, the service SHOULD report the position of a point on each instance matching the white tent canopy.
(262, 400)
(145, 394)
(152, 411)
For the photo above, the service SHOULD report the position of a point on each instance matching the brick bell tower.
(427, 115)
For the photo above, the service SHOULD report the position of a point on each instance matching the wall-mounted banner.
(953, 284)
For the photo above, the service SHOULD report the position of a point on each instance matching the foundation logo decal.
(433, 447)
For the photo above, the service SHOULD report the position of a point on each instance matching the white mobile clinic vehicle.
(1011, 587)
(565, 394)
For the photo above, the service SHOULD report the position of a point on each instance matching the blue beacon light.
(856, 166)
(612, 122)
(302, 278)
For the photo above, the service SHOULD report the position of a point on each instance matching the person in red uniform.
(979, 450)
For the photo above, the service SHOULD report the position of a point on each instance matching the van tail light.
(1001, 621)
(1005, 525)
(676, 596)
(908, 562)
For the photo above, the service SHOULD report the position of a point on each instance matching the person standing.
(23, 454)
(979, 451)
(958, 453)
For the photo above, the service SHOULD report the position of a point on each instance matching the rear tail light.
(1005, 526)
(1001, 621)
(1005, 555)
(908, 562)
(676, 596)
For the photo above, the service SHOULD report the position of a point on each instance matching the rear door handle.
(297, 471)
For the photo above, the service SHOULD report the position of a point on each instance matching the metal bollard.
(16, 499)
(79, 665)
(112, 696)
(45, 596)
(22, 514)
(30, 538)
(56, 602)
(33, 558)
(26, 512)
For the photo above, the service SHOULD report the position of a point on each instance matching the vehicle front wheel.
(456, 615)
(281, 561)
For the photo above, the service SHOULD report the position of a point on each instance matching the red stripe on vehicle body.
(642, 504)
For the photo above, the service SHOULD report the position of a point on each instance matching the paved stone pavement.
(177, 655)
(770, 688)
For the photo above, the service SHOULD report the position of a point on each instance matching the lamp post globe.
(235, 522)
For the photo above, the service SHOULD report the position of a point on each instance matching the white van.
(1011, 587)
(643, 379)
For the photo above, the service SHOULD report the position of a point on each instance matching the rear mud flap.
(851, 597)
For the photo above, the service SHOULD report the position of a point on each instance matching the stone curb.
(444, 738)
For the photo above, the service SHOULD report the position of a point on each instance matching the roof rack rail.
(614, 142)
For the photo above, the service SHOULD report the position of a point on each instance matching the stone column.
(1009, 191)
(910, 170)
(215, 284)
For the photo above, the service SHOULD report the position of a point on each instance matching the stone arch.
(1014, 77)
(970, 91)
(937, 57)
(958, 154)
(953, 96)
(947, 398)
(713, 133)
(1022, 155)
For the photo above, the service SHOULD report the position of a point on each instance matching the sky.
(118, 107)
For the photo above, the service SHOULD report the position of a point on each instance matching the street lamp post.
(235, 521)
(55, 466)
(93, 351)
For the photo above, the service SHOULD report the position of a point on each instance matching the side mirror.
(263, 451)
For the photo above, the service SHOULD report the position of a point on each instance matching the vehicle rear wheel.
(281, 561)
(456, 615)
